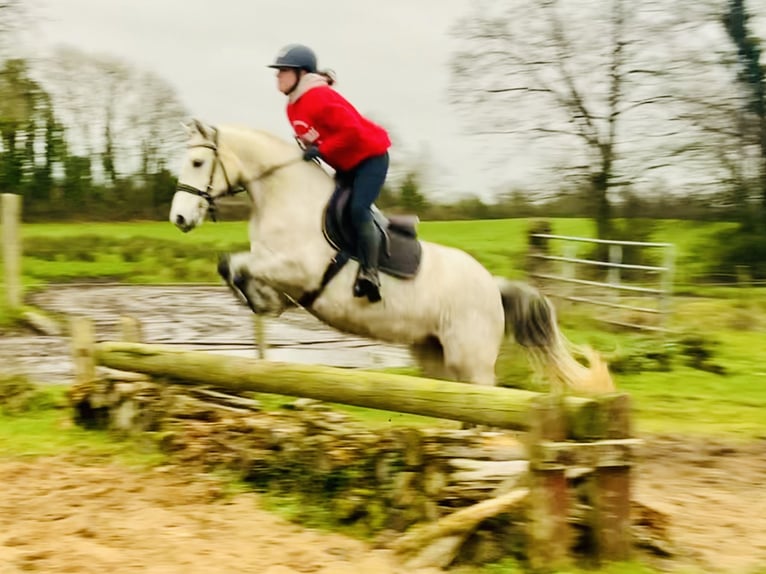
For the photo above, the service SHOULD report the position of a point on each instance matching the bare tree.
(578, 79)
(716, 105)
(154, 122)
(124, 118)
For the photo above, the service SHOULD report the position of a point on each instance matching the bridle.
(212, 208)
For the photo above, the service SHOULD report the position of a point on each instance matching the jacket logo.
(306, 133)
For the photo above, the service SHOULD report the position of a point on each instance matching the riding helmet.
(296, 56)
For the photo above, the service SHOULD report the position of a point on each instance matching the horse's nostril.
(180, 220)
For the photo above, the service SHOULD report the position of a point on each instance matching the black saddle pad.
(400, 248)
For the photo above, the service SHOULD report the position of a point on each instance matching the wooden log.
(493, 406)
(587, 455)
(240, 404)
(475, 445)
(469, 470)
(436, 544)
(549, 534)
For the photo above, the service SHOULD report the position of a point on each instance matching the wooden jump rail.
(564, 432)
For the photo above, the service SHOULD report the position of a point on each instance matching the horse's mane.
(245, 131)
(280, 150)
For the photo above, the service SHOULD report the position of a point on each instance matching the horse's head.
(204, 177)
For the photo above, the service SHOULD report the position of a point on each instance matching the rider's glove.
(311, 153)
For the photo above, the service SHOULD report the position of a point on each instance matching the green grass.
(143, 252)
(46, 429)
(156, 252)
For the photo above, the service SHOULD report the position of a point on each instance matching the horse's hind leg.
(458, 361)
(430, 356)
(470, 355)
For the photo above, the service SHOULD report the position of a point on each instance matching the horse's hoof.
(224, 268)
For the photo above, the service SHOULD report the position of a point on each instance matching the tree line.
(87, 136)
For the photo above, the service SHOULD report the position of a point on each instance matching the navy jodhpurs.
(366, 180)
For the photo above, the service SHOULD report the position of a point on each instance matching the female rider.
(333, 130)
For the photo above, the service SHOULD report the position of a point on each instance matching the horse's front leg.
(240, 273)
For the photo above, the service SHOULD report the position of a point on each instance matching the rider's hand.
(311, 153)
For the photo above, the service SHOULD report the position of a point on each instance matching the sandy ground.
(57, 515)
(714, 495)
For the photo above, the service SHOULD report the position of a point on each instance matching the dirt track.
(714, 495)
(57, 516)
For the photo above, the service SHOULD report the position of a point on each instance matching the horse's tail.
(531, 318)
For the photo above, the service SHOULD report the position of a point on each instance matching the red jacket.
(321, 116)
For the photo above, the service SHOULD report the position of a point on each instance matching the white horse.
(453, 314)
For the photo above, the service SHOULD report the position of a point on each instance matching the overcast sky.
(391, 59)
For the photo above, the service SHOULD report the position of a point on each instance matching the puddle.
(193, 317)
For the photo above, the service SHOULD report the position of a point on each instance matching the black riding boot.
(367, 281)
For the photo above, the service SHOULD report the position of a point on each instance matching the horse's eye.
(197, 163)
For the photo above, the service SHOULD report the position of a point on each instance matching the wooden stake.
(610, 494)
(130, 327)
(83, 343)
(549, 535)
(260, 336)
(11, 218)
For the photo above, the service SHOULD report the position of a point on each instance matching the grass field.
(152, 252)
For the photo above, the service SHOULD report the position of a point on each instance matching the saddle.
(400, 249)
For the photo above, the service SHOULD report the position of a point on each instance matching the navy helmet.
(296, 56)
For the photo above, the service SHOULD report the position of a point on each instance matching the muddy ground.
(198, 318)
(61, 516)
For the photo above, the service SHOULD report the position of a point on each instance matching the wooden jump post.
(563, 431)
(10, 207)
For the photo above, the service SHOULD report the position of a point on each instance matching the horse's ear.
(202, 129)
(189, 129)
